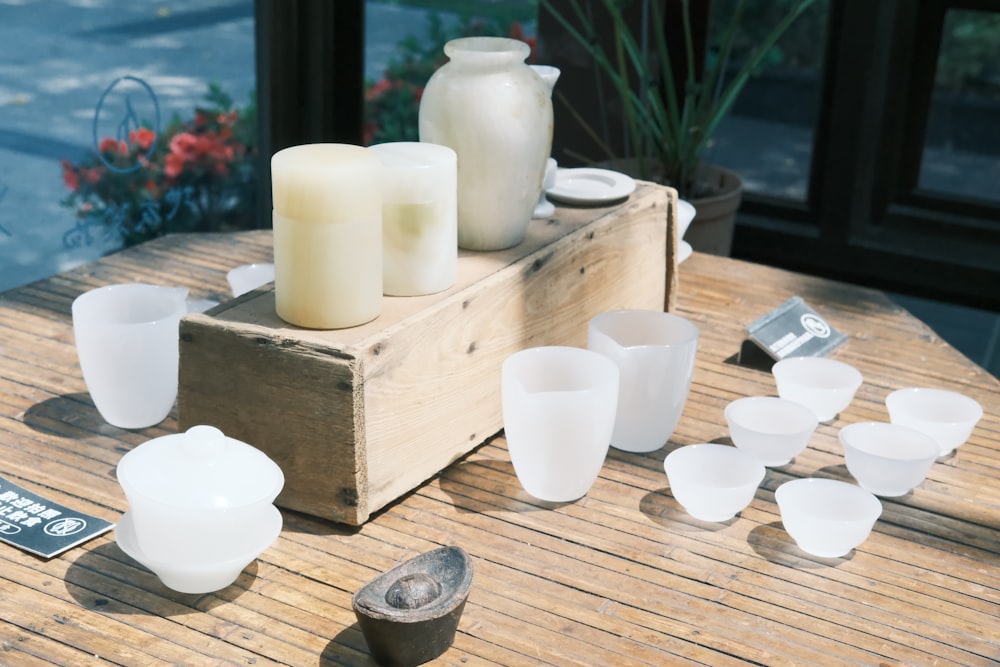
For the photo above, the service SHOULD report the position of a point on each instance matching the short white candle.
(327, 235)
(419, 217)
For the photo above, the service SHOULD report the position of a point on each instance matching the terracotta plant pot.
(712, 228)
(711, 231)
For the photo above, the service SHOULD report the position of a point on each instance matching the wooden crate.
(357, 417)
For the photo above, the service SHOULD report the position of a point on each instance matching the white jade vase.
(495, 112)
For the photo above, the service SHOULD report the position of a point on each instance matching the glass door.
(121, 121)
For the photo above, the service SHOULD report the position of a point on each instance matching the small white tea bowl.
(249, 277)
(825, 386)
(713, 482)
(887, 459)
(827, 517)
(775, 430)
(948, 417)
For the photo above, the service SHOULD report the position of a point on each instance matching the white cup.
(248, 277)
(127, 342)
(685, 216)
(558, 414)
(655, 354)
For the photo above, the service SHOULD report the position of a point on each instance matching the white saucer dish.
(586, 185)
(202, 577)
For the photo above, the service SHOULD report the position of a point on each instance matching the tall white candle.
(419, 217)
(327, 235)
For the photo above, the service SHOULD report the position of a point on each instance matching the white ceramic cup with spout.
(655, 353)
(558, 413)
(127, 343)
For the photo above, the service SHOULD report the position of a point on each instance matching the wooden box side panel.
(433, 389)
(299, 404)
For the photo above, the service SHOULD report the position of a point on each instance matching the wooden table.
(621, 577)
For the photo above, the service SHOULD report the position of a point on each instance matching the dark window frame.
(863, 221)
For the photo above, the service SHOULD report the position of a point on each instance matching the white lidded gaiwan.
(200, 507)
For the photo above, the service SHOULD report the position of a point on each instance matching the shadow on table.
(347, 648)
(490, 485)
(60, 415)
(771, 542)
(104, 579)
(661, 508)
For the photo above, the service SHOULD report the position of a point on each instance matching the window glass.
(962, 146)
(121, 121)
(404, 45)
(768, 137)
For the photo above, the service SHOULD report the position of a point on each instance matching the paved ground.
(56, 59)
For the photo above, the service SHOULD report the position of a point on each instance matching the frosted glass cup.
(248, 277)
(558, 414)
(827, 517)
(655, 354)
(127, 343)
(825, 386)
(948, 417)
(713, 482)
(887, 459)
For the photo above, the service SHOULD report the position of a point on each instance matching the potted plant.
(670, 113)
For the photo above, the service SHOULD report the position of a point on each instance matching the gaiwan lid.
(199, 469)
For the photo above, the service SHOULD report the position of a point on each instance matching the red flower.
(382, 86)
(92, 175)
(143, 136)
(184, 145)
(174, 165)
(229, 118)
(368, 132)
(70, 177)
(110, 145)
(517, 32)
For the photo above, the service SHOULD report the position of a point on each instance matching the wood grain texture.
(621, 577)
(357, 417)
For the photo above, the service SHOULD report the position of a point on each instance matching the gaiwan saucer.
(201, 578)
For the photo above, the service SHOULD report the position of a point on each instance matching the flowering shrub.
(392, 103)
(197, 175)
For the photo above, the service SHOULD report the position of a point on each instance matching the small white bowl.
(249, 277)
(775, 430)
(887, 459)
(948, 417)
(827, 517)
(825, 386)
(713, 482)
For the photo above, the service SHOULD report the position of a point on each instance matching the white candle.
(419, 217)
(327, 235)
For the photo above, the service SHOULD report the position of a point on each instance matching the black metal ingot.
(409, 614)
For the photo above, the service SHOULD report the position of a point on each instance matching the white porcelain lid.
(200, 468)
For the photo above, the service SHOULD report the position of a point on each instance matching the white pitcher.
(495, 112)
(127, 342)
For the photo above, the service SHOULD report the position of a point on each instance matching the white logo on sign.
(815, 325)
(64, 527)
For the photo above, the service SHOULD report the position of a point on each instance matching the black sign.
(32, 523)
(793, 329)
